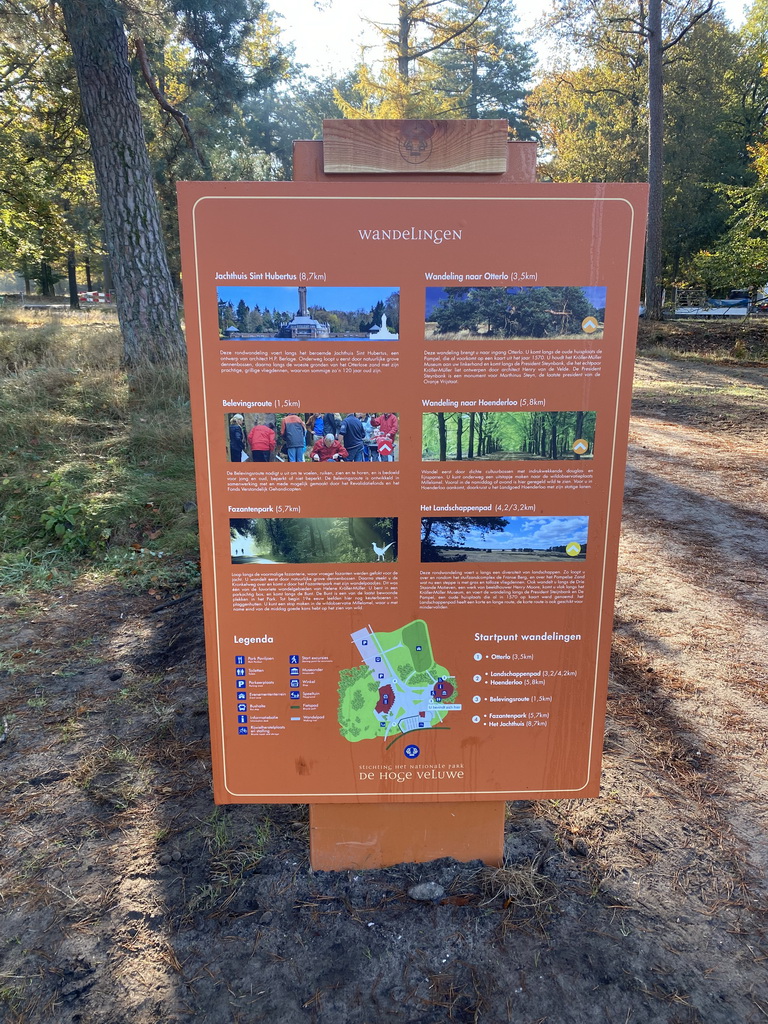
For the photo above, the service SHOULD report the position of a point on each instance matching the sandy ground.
(127, 897)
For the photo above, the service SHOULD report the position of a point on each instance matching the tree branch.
(695, 19)
(459, 31)
(178, 115)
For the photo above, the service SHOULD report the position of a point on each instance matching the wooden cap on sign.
(412, 147)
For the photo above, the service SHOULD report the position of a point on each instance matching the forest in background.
(220, 95)
(505, 435)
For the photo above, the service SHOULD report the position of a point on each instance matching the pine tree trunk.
(403, 40)
(147, 306)
(655, 162)
(47, 289)
(579, 430)
(74, 298)
(441, 436)
(553, 435)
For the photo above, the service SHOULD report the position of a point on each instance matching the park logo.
(415, 141)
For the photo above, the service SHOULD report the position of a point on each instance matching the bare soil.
(127, 897)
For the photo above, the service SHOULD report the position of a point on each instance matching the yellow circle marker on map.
(581, 447)
(573, 549)
(590, 325)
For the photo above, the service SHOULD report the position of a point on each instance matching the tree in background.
(484, 72)
(201, 79)
(195, 67)
(292, 109)
(446, 59)
(739, 257)
(147, 305)
(637, 38)
(592, 122)
(48, 205)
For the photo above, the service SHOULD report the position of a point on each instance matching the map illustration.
(397, 688)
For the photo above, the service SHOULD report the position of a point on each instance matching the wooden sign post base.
(376, 835)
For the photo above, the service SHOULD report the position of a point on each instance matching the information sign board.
(410, 598)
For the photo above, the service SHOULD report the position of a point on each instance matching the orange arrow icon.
(581, 447)
(590, 325)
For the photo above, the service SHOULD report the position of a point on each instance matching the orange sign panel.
(409, 598)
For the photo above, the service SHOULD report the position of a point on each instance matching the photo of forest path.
(333, 540)
(507, 436)
(521, 313)
(503, 538)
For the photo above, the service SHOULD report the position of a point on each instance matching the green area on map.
(397, 688)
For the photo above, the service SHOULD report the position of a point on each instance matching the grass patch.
(230, 860)
(96, 464)
(521, 887)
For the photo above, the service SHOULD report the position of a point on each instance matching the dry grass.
(88, 338)
(520, 887)
(96, 463)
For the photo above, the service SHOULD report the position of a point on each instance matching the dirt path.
(694, 584)
(127, 897)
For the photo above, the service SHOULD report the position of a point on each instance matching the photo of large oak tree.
(540, 312)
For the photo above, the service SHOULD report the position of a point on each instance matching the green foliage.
(48, 198)
(293, 109)
(510, 435)
(96, 469)
(504, 312)
(738, 262)
(74, 527)
(445, 59)
(591, 111)
(332, 540)
(485, 70)
(740, 257)
(203, 65)
(214, 65)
